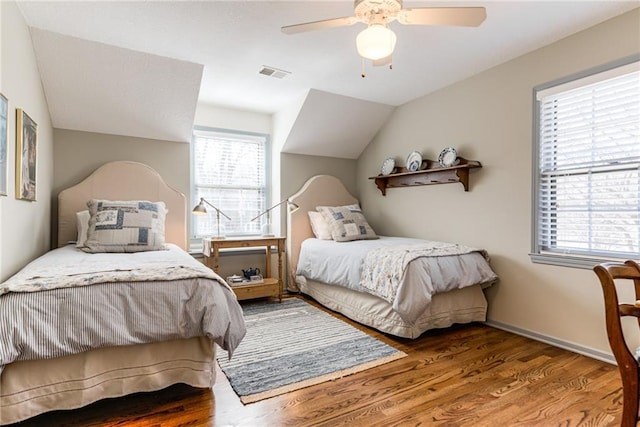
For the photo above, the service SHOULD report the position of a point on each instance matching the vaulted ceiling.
(139, 68)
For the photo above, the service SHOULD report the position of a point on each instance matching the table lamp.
(266, 229)
(201, 210)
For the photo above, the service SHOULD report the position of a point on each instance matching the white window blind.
(229, 170)
(588, 177)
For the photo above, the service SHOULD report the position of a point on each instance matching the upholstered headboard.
(320, 190)
(123, 180)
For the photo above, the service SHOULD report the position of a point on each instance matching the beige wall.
(24, 226)
(296, 169)
(77, 154)
(489, 118)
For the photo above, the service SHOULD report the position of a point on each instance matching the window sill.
(571, 261)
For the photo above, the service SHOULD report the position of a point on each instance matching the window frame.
(538, 255)
(196, 242)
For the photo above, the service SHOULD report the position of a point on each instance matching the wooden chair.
(627, 362)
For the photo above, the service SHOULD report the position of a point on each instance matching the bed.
(405, 313)
(192, 306)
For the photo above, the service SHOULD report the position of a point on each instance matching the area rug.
(291, 345)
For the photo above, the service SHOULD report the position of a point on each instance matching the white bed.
(32, 387)
(463, 305)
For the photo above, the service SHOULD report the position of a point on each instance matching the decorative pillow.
(347, 223)
(125, 226)
(82, 221)
(319, 226)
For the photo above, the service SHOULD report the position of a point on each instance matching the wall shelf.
(430, 173)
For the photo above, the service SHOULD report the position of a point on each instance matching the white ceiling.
(233, 40)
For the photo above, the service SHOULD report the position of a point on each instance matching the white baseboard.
(585, 351)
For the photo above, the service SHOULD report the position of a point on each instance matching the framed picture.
(26, 146)
(4, 111)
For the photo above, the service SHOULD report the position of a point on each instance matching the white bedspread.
(342, 264)
(69, 267)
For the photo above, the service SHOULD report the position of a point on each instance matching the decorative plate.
(414, 161)
(387, 166)
(448, 157)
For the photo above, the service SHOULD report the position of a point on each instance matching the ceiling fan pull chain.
(363, 74)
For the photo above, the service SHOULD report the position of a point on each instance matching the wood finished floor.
(467, 375)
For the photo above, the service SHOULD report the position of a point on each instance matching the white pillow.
(82, 221)
(319, 226)
(347, 223)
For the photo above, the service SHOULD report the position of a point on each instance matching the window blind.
(230, 172)
(589, 167)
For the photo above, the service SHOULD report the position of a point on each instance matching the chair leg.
(629, 404)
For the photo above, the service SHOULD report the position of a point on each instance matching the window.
(587, 168)
(229, 170)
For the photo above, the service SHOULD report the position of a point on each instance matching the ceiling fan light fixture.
(376, 42)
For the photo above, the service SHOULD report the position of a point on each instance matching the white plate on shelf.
(387, 166)
(448, 157)
(414, 161)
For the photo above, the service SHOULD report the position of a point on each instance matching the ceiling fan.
(377, 41)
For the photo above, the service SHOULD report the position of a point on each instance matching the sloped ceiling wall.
(128, 92)
(100, 88)
(95, 87)
(334, 125)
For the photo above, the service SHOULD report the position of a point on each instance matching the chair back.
(608, 273)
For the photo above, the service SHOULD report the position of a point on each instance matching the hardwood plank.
(466, 375)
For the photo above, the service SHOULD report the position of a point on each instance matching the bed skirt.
(30, 388)
(458, 306)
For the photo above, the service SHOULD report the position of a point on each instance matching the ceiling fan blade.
(458, 16)
(320, 25)
(387, 60)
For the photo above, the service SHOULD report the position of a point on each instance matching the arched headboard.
(320, 190)
(123, 180)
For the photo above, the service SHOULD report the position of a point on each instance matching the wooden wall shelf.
(430, 173)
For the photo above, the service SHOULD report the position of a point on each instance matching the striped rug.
(292, 345)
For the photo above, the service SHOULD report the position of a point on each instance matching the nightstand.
(271, 287)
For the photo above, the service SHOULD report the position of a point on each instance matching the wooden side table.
(271, 287)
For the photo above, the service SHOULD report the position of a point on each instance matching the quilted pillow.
(125, 226)
(319, 226)
(347, 223)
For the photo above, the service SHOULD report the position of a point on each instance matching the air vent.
(273, 72)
